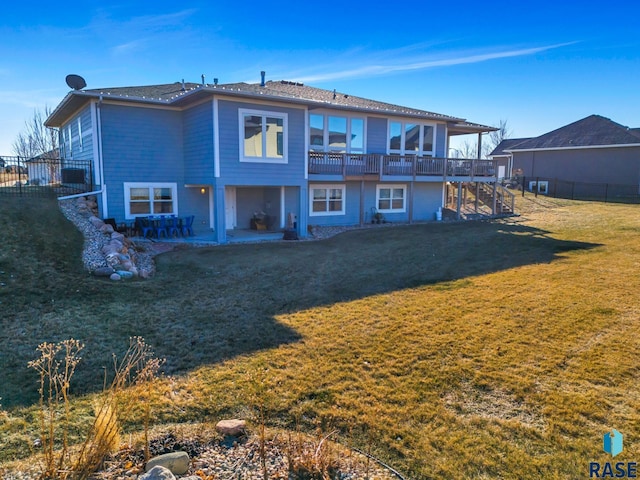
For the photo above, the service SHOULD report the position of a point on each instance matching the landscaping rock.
(96, 222)
(107, 229)
(157, 473)
(233, 427)
(118, 236)
(124, 274)
(115, 277)
(103, 271)
(176, 462)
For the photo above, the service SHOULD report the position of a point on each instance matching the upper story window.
(263, 136)
(411, 138)
(333, 133)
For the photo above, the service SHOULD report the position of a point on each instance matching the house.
(503, 157)
(594, 150)
(44, 169)
(229, 153)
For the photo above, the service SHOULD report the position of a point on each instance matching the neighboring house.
(44, 169)
(592, 150)
(282, 150)
(503, 157)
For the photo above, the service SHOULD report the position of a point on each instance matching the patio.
(209, 238)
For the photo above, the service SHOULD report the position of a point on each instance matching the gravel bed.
(94, 241)
(219, 459)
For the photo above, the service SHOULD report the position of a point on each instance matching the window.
(332, 133)
(391, 198)
(143, 199)
(411, 139)
(80, 139)
(66, 142)
(264, 136)
(326, 200)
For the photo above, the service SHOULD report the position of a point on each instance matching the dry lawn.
(486, 350)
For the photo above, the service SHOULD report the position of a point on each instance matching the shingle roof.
(591, 131)
(182, 93)
(165, 92)
(506, 144)
(281, 89)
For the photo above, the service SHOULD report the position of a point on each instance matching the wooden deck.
(376, 166)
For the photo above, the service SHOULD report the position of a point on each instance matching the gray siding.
(427, 198)
(81, 147)
(598, 165)
(376, 135)
(198, 144)
(352, 206)
(234, 172)
(141, 145)
(441, 141)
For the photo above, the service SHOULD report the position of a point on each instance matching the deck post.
(459, 206)
(477, 194)
(219, 216)
(410, 203)
(495, 193)
(361, 203)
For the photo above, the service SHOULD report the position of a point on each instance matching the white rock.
(115, 277)
(157, 473)
(176, 462)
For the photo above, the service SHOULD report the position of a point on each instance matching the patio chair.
(173, 227)
(161, 227)
(187, 226)
(145, 226)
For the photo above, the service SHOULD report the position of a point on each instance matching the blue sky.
(538, 65)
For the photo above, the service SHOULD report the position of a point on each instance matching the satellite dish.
(76, 82)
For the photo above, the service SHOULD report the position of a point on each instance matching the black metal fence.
(43, 176)
(601, 192)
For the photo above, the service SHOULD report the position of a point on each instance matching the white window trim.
(419, 153)
(328, 186)
(68, 146)
(80, 139)
(392, 186)
(325, 133)
(127, 197)
(285, 135)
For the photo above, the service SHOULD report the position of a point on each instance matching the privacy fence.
(42, 176)
(601, 192)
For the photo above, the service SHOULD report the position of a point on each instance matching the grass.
(479, 350)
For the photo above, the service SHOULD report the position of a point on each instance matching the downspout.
(103, 187)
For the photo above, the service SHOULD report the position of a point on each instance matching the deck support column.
(459, 206)
(303, 212)
(477, 194)
(410, 202)
(361, 203)
(219, 215)
(495, 198)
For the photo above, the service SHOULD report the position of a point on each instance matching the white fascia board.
(626, 145)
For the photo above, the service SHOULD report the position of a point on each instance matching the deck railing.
(350, 164)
